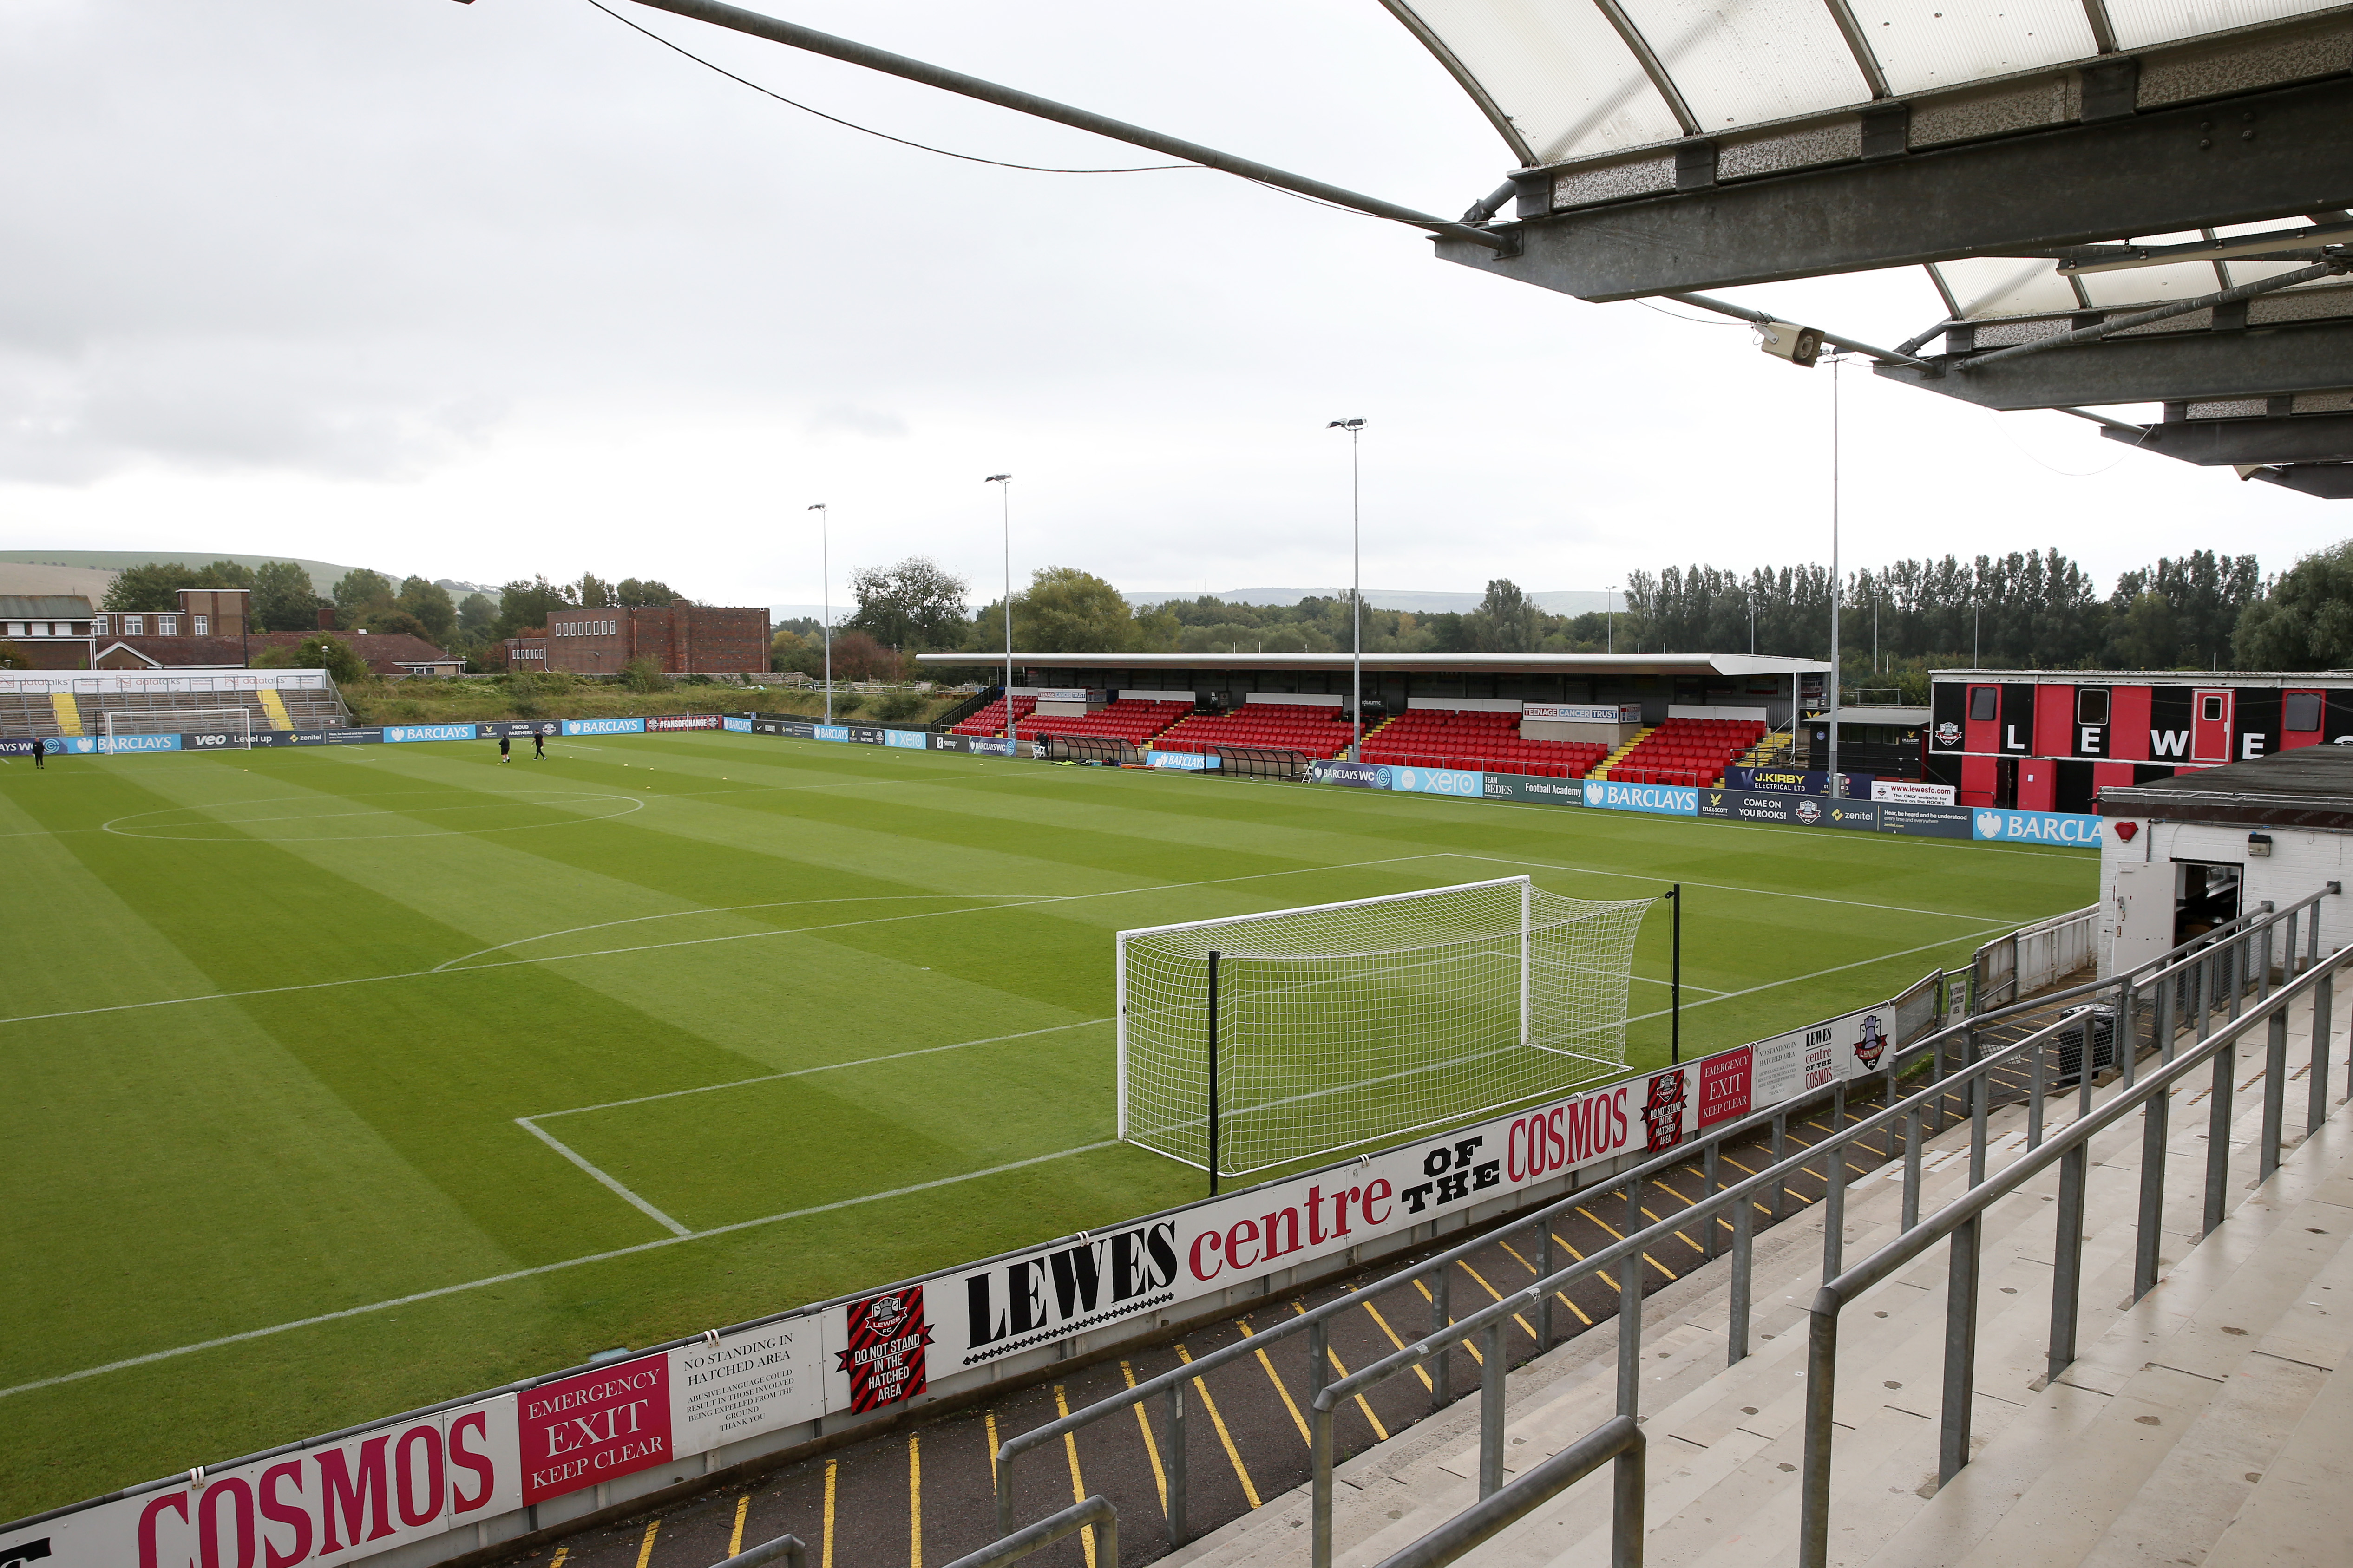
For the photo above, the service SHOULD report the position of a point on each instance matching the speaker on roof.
(1786, 340)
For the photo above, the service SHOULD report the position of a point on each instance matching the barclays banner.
(2073, 829)
(735, 726)
(395, 734)
(604, 726)
(1666, 800)
(1181, 762)
(1357, 775)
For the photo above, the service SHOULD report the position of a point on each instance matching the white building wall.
(2303, 860)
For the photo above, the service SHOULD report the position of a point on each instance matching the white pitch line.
(626, 1196)
(513, 1275)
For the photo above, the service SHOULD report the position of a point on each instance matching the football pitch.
(344, 1080)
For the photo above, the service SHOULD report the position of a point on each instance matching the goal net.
(1344, 1023)
(222, 726)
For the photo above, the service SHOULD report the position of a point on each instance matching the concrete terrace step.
(1726, 1443)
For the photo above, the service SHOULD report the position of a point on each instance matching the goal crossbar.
(238, 722)
(1337, 1024)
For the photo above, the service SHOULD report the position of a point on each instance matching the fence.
(2033, 957)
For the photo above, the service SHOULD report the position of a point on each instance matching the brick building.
(679, 637)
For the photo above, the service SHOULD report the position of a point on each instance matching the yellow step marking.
(1250, 1490)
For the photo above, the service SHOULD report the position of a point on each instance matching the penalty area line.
(513, 1275)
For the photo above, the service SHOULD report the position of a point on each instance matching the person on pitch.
(538, 746)
(40, 750)
(503, 744)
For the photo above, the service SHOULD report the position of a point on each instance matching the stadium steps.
(2211, 1422)
(68, 716)
(275, 707)
(1601, 769)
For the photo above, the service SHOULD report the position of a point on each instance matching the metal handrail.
(2070, 1149)
(1095, 1513)
(1619, 1438)
(788, 1548)
(1324, 1397)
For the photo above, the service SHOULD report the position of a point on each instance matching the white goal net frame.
(1337, 1024)
(122, 721)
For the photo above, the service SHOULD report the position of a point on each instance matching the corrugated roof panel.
(2140, 23)
(1752, 61)
(2004, 285)
(1558, 68)
(1923, 49)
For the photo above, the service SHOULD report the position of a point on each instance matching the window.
(2091, 705)
(167, 625)
(204, 626)
(1984, 701)
(2210, 706)
(98, 626)
(16, 628)
(2302, 712)
(134, 625)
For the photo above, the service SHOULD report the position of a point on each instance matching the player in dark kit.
(503, 744)
(40, 750)
(538, 747)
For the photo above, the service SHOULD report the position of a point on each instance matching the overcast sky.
(482, 291)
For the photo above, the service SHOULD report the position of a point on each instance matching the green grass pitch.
(840, 1015)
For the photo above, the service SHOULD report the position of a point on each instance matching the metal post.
(1176, 1460)
(2085, 1061)
(1960, 1349)
(1626, 1508)
(1711, 1183)
(1440, 1319)
(1319, 1496)
(2288, 962)
(1780, 1146)
(1822, 1413)
(2267, 1159)
(1213, 1075)
(1004, 483)
(2315, 1108)
(2035, 1091)
(2067, 1269)
(1319, 1355)
(1736, 1329)
(2128, 1033)
(2167, 989)
(1544, 1271)
(1981, 1101)
(1834, 1188)
(1491, 1409)
(1004, 1469)
(2218, 1135)
(1837, 782)
(1912, 1169)
(1629, 1337)
(2263, 962)
(2156, 1113)
(824, 570)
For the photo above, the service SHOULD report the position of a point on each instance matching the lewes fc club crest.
(1873, 1045)
(1663, 1116)
(886, 1336)
(1948, 733)
(1809, 813)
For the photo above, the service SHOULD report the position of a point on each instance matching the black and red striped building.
(2050, 741)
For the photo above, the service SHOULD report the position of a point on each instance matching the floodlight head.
(1786, 340)
(997, 479)
(1345, 424)
(818, 506)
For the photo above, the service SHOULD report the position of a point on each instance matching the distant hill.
(324, 573)
(1560, 601)
(86, 582)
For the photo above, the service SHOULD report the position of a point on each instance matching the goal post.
(1339, 1024)
(234, 724)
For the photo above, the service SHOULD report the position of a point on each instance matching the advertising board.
(1181, 762)
(1912, 792)
(1925, 821)
(517, 728)
(399, 734)
(1796, 780)
(910, 740)
(1669, 800)
(1531, 789)
(604, 726)
(2072, 828)
(668, 721)
(1357, 775)
(1569, 713)
(734, 725)
(1455, 782)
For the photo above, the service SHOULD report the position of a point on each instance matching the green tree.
(858, 656)
(429, 604)
(223, 574)
(592, 592)
(644, 674)
(2141, 634)
(477, 616)
(1065, 611)
(790, 650)
(2305, 621)
(357, 590)
(154, 586)
(632, 593)
(382, 619)
(320, 650)
(915, 606)
(523, 604)
(2205, 594)
(1505, 621)
(283, 599)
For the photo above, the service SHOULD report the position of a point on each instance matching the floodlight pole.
(1837, 782)
(1354, 427)
(824, 566)
(1004, 483)
(1609, 619)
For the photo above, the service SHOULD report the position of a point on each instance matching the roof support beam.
(1647, 58)
(2257, 361)
(2077, 185)
(2297, 439)
(2329, 481)
(2114, 324)
(1858, 44)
